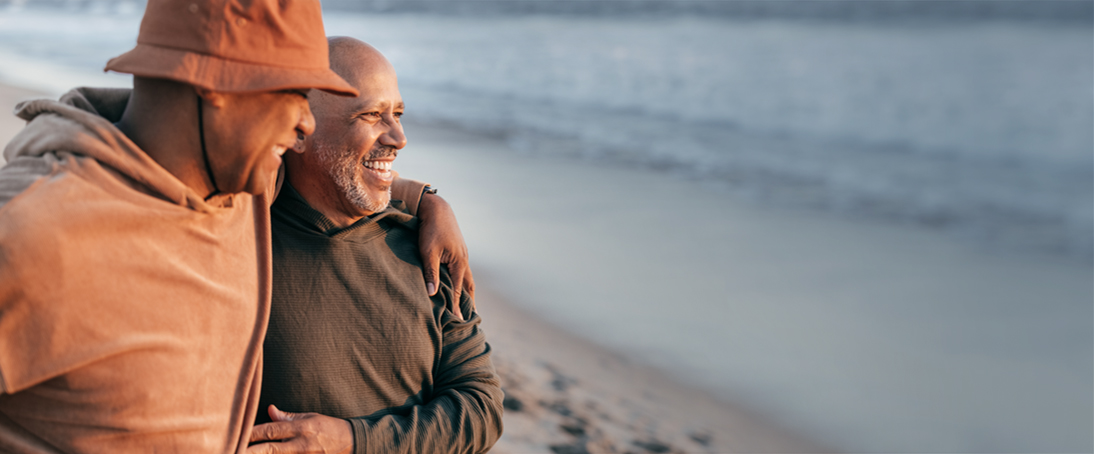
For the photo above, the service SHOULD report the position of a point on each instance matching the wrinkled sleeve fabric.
(29, 352)
(409, 191)
(21, 172)
(13, 310)
(464, 413)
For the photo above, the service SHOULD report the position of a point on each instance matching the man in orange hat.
(135, 235)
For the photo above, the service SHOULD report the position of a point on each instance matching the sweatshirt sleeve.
(464, 414)
(409, 191)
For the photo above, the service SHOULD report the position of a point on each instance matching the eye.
(300, 93)
(371, 117)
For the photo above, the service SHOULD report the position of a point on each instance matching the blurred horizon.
(843, 10)
(1079, 11)
(969, 121)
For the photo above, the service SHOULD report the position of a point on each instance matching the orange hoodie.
(132, 312)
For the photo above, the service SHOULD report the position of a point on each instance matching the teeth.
(378, 165)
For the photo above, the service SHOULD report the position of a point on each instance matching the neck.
(315, 186)
(161, 119)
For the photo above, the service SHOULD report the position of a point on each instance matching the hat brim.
(218, 74)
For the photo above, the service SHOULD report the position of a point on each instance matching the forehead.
(378, 86)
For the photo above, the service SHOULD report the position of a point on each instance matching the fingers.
(469, 286)
(456, 311)
(457, 285)
(289, 447)
(267, 448)
(272, 431)
(310, 432)
(430, 270)
(261, 448)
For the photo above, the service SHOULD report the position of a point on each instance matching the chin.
(380, 203)
(369, 201)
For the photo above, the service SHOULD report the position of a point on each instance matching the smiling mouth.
(380, 168)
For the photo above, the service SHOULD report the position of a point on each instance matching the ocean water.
(980, 128)
(977, 127)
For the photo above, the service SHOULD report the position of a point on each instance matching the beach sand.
(863, 336)
(591, 277)
(565, 394)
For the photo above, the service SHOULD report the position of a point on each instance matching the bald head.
(345, 166)
(356, 62)
(350, 57)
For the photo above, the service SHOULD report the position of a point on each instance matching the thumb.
(277, 415)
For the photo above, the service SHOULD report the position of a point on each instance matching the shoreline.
(565, 394)
(858, 336)
(632, 311)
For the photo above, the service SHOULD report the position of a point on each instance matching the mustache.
(381, 151)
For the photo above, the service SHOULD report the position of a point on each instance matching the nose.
(394, 136)
(305, 125)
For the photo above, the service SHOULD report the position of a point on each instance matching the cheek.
(368, 141)
(281, 118)
(357, 141)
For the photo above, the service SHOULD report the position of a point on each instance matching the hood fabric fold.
(81, 124)
(132, 312)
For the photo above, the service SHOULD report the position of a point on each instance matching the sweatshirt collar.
(367, 228)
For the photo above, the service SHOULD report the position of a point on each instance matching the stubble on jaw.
(346, 171)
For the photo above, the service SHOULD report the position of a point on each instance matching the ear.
(298, 146)
(216, 99)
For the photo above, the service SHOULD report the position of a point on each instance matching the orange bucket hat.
(234, 46)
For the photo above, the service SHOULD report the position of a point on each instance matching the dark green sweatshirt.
(354, 335)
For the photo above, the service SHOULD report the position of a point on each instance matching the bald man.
(382, 367)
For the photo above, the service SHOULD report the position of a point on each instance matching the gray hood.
(81, 125)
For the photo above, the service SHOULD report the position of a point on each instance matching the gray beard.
(346, 173)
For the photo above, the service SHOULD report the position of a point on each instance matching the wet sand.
(862, 336)
(565, 394)
(589, 276)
